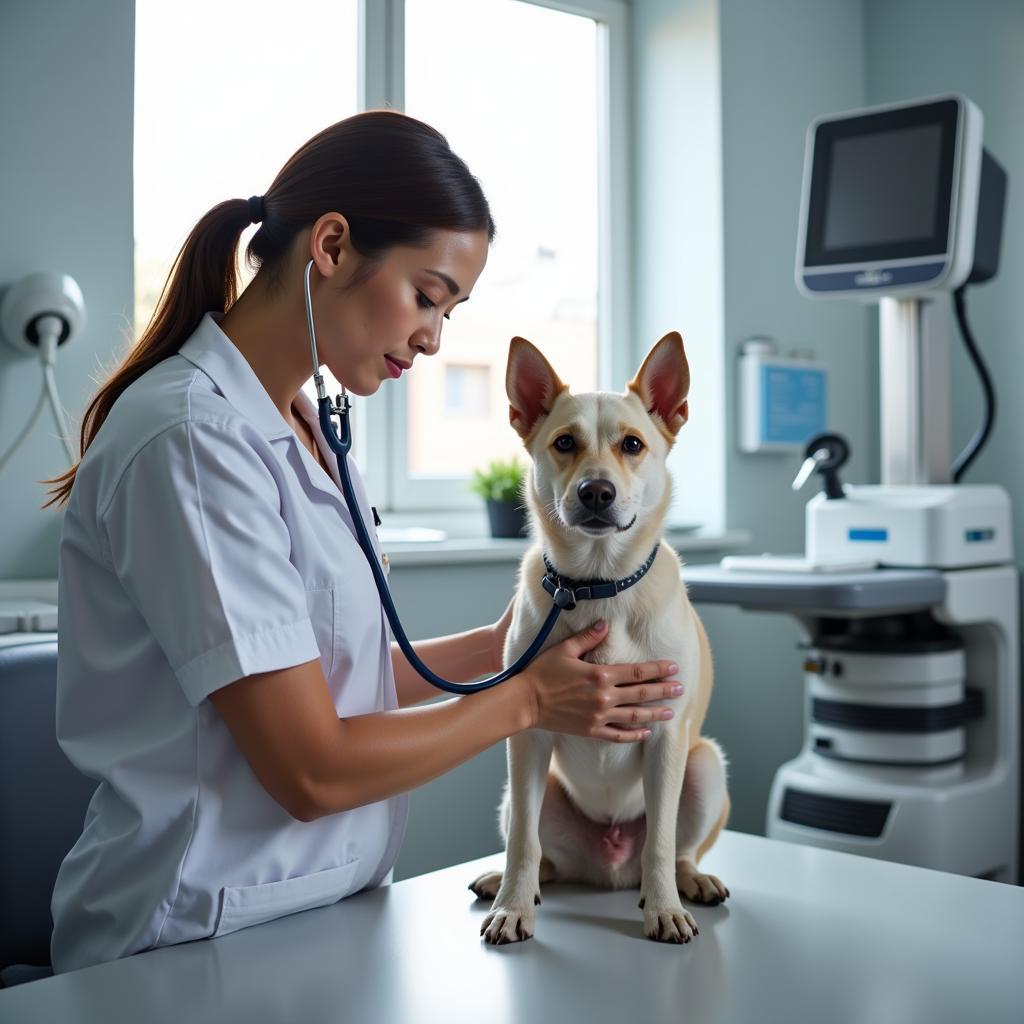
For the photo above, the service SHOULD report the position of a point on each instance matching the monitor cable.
(981, 435)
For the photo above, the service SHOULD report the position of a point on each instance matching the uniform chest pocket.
(322, 603)
(247, 905)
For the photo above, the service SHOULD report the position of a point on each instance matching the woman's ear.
(663, 382)
(532, 386)
(330, 243)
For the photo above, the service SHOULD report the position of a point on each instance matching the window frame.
(381, 76)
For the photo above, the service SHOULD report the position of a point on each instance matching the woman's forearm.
(381, 755)
(460, 658)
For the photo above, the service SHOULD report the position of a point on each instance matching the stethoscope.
(339, 440)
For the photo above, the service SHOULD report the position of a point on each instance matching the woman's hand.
(498, 633)
(606, 702)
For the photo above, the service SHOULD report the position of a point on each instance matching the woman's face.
(372, 330)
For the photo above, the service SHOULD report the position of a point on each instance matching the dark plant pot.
(507, 518)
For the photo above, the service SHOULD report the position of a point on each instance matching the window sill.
(485, 549)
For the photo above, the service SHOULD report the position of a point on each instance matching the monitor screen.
(858, 214)
(881, 186)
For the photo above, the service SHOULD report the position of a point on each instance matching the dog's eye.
(632, 445)
(564, 443)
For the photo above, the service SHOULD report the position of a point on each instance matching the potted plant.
(501, 487)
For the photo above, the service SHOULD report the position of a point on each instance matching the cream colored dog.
(609, 814)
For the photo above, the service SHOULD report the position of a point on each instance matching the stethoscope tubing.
(340, 442)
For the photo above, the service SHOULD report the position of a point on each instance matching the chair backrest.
(43, 799)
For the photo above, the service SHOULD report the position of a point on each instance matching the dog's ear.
(663, 382)
(531, 385)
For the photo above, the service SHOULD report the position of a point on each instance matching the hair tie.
(256, 211)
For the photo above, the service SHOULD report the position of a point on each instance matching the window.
(532, 135)
(531, 139)
(540, 119)
(222, 99)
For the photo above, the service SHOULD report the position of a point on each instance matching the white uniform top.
(203, 543)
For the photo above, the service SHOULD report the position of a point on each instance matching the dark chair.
(43, 799)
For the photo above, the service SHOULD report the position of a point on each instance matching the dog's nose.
(596, 495)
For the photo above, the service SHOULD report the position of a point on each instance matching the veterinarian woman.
(224, 665)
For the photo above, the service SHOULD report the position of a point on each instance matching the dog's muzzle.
(597, 500)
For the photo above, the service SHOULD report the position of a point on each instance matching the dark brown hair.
(395, 179)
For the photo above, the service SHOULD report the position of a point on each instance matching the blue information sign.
(792, 403)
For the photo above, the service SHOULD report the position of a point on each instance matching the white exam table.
(808, 935)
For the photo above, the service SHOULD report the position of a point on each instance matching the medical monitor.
(890, 199)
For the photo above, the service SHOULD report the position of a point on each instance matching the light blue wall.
(66, 79)
(784, 63)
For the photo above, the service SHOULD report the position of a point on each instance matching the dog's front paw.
(668, 922)
(700, 888)
(486, 886)
(507, 924)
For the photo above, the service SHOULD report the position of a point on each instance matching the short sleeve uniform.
(203, 543)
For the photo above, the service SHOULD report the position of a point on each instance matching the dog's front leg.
(511, 915)
(665, 920)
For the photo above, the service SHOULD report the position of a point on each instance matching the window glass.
(514, 88)
(467, 390)
(225, 92)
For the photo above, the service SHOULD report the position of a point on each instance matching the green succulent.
(502, 480)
